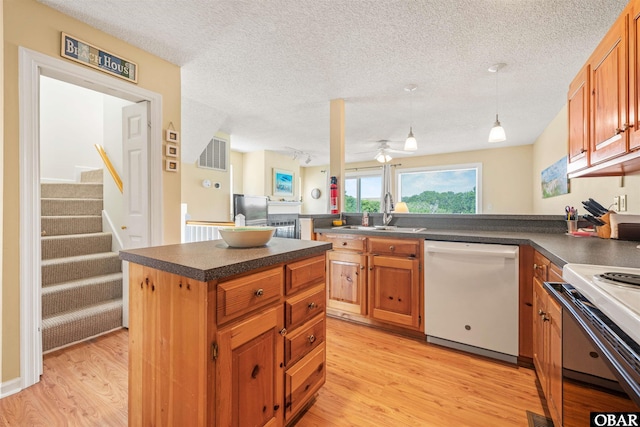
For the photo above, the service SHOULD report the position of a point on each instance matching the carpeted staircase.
(81, 277)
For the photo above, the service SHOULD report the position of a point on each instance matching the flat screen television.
(254, 208)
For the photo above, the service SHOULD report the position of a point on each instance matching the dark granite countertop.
(214, 259)
(560, 248)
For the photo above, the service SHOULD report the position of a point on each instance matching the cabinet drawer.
(540, 266)
(303, 340)
(303, 380)
(304, 306)
(397, 247)
(554, 273)
(302, 274)
(240, 296)
(346, 242)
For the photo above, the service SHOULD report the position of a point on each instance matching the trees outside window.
(441, 190)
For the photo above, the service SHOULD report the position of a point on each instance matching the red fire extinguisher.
(333, 194)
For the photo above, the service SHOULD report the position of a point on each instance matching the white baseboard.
(10, 387)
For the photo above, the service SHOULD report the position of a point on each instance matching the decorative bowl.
(246, 237)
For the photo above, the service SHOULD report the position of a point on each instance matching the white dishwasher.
(471, 297)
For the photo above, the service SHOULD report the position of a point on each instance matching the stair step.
(91, 176)
(65, 207)
(59, 270)
(77, 325)
(71, 190)
(59, 225)
(75, 244)
(76, 294)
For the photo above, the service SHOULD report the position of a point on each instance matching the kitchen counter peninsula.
(221, 335)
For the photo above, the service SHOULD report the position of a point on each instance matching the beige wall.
(506, 176)
(206, 204)
(37, 27)
(315, 177)
(237, 163)
(550, 147)
(257, 176)
(278, 161)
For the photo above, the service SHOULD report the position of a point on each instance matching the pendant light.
(497, 131)
(411, 144)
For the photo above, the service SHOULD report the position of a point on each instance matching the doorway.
(33, 65)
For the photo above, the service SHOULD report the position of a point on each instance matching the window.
(441, 190)
(362, 192)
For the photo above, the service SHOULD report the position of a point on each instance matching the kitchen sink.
(383, 228)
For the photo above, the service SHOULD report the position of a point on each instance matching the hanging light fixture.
(411, 144)
(497, 131)
(383, 156)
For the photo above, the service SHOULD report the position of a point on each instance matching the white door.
(135, 147)
(135, 191)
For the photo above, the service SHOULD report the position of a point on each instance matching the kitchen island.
(220, 335)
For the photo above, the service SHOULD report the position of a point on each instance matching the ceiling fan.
(384, 149)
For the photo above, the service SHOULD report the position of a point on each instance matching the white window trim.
(361, 174)
(477, 166)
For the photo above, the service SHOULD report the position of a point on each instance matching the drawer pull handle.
(259, 292)
(312, 305)
(312, 339)
(283, 331)
(256, 370)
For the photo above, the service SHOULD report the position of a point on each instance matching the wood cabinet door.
(394, 285)
(539, 348)
(554, 325)
(346, 282)
(578, 106)
(250, 376)
(609, 94)
(634, 76)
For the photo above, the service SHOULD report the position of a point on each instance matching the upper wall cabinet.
(604, 128)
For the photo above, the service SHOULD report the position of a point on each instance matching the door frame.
(32, 65)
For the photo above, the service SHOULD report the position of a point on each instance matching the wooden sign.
(94, 57)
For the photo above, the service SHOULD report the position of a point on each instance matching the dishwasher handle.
(475, 249)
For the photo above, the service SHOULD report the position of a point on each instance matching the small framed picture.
(172, 150)
(172, 136)
(171, 165)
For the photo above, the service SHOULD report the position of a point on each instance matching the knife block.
(604, 231)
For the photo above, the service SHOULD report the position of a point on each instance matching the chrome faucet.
(387, 207)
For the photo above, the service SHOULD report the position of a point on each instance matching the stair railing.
(109, 166)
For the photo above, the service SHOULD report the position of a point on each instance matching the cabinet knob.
(344, 243)
(312, 338)
(582, 151)
(623, 129)
(362, 267)
(283, 331)
(545, 318)
(124, 227)
(392, 248)
(259, 292)
(312, 305)
(541, 313)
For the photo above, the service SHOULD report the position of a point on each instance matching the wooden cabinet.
(634, 75)
(232, 352)
(547, 336)
(609, 92)
(347, 281)
(612, 119)
(375, 280)
(578, 108)
(394, 281)
(249, 371)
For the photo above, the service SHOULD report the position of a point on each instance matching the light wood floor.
(373, 379)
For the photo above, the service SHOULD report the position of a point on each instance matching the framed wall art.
(282, 182)
(172, 136)
(171, 165)
(172, 150)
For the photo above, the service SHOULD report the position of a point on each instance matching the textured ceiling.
(265, 71)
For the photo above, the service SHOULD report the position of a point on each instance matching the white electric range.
(605, 301)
